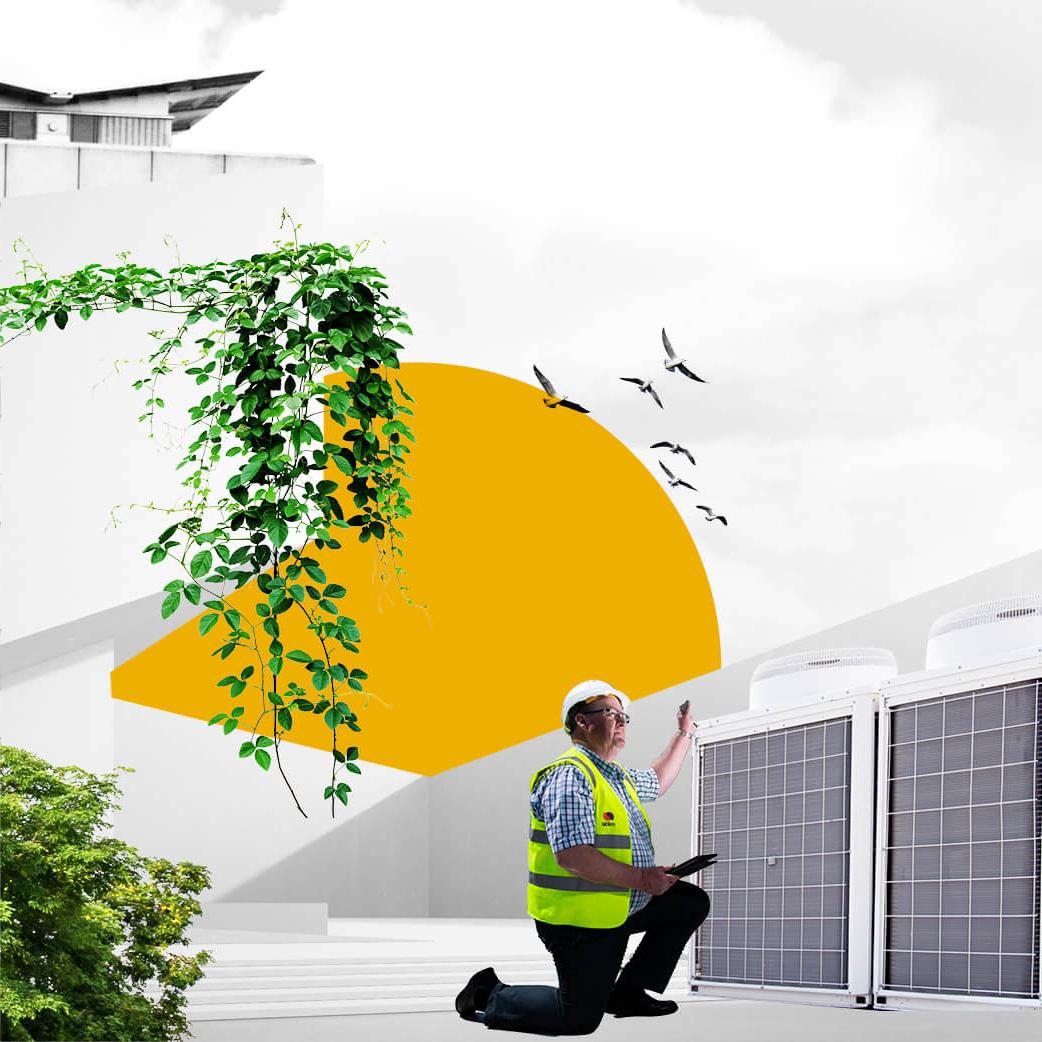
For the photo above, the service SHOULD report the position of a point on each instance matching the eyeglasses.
(613, 714)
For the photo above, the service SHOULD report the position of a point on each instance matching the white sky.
(836, 218)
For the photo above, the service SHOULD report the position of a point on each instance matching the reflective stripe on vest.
(574, 883)
(557, 896)
(610, 842)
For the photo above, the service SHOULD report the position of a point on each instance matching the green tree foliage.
(275, 341)
(85, 920)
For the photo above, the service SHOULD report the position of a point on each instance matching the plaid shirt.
(563, 800)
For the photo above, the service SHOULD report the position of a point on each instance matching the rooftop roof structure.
(186, 101)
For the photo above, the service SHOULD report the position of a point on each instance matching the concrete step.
(338, 993)
(259, 1011)
(225, 968)
(516, 975)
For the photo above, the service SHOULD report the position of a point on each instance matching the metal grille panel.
(962, 844)
(775, 807)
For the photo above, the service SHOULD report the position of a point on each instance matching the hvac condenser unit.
(783, 795)
(959, 798)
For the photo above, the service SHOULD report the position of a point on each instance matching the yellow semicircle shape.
(543, 552)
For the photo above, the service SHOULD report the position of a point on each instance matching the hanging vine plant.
(275, 342)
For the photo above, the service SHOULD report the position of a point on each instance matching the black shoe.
(475, 993)
(640, 1004)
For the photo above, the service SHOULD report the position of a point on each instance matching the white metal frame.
(993, 672)
(859, 705)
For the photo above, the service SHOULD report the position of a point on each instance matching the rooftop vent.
(985, 630)
(810, 674)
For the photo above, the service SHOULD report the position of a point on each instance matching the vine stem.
(278, 761)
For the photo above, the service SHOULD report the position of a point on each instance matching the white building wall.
(191, 799)
(38, 167)
(62, 710)
(71, 445)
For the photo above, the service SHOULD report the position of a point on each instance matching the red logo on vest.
(608, 816)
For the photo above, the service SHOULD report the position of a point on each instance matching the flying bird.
(674, 480)
(674, 364)
(673, 447)
(710, 516)
(555, 399)
(645, 386)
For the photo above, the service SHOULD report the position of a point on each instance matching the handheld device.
(693, 865)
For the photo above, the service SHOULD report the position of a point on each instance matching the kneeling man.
(592, 881)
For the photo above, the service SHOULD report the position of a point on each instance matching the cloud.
(979, 60)
(43, 44)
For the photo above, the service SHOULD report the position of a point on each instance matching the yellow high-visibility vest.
(557, 896)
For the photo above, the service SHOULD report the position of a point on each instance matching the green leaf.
(320, 680)
(263, 741)
(230, 725)
(315, 573)
(299, 656)
(174, 587)
(200, 564)
(333, 718)
(249, 472)
(170, 604)
(352, 753)
(263, 758)
(334, 590)
(193, 593)
(285, 718)
(353, 768)
(278, 531)
(246, 749)
(61, 319)
(217, 719)
(207, 623)
(238, 711)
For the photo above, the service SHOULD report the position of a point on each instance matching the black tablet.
(693, 865)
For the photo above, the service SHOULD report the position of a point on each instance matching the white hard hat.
(587, 691)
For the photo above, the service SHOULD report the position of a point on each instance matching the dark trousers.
(588, 962)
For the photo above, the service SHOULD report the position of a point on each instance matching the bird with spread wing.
(674, 448)
(674, 480)
(645, 386)
(674, 364)
(555, 399)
